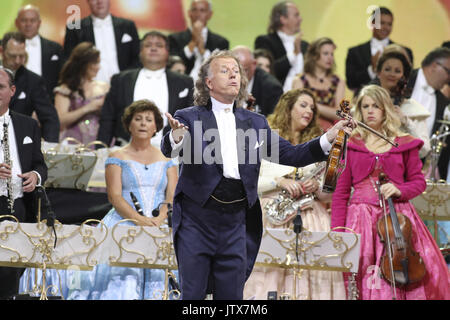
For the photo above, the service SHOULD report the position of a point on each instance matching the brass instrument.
(437, 142)
(283, 208)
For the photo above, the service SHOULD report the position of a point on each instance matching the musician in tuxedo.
(116, 38)
(169, 90)
(27, 169)
(44, 55)
(217, 219)
(195, 44)
(263, 86)
(31, 93)
(361, 61)
(425, 85)
(284, 41)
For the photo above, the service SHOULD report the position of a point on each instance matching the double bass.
(337, 158)
(400, 265)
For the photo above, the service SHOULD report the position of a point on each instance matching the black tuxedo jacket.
(31, 95)
(177, 42)
(359, 58)
(121, 95)
(52, 58)
(441, 103)
(267, 90)
(127, 52)
(273, 43)
(30, 155)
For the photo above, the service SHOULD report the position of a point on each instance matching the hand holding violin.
(347, 125)
(389, 190)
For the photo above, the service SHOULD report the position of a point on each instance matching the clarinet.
(7, 160)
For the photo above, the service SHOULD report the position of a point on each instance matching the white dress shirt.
(376, 46)
(16, 167)
(296, 61)
(105, 41)
(199, 58)
(424, 94)
(152, 85)
(226, 124)
(34, 51)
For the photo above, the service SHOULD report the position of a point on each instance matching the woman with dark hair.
(295, 118)
(356, 204)
(264, 60)
(393, 69)
(78, 97)
(142, 169)
(176, 64)
(319, 77)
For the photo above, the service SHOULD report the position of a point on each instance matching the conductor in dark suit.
(196, 43)
(217, 219)
(30, 94)
(284, 40)
(361, 61)
(116, 38)
(26, 170)
(170, 91)
(263, 86)
(44, 56)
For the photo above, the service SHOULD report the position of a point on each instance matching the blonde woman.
(367, 156)
(295, 119)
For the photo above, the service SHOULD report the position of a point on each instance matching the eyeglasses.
(444, 67)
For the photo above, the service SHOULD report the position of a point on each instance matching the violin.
(337, 160)
(337, 154)
(400, 265)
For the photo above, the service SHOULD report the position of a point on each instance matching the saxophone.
(283, 208)
(7, 160)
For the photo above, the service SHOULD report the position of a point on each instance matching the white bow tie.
(153, 74)
(428, 89)
(100, 23)
(32, 42)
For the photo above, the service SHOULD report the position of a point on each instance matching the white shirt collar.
(219, 106)
(423, 84)
(97, 22)
(157, 74)
(33, 41)
(383, 42)
(286, 37)
(5, 117)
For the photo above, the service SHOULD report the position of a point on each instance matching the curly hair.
(201, 90)
(281, 118)
(390, 127)
(138, 107)
(76, 66)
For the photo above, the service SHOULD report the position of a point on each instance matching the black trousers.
(9, 277)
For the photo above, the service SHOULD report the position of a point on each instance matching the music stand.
(327, 251)
(145, 247)
(434, 203)
(31, 245)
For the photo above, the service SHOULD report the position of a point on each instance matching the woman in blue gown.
(142, 169)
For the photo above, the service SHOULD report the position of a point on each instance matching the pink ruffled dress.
(360, 211)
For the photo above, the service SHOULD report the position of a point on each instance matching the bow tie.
(32, 42)
(153, 74)
(100, 23)
(428, 89)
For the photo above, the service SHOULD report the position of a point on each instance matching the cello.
(400, 265)
(337, 158)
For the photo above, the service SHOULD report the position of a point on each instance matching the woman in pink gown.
(78, 97)
(367, 156)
